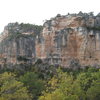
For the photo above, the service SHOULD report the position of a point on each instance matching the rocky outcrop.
(17, 43)
(71, 40)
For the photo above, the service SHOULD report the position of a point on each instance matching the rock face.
(71, 40)
(17, 43)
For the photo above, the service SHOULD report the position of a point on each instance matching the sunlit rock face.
(71, 40)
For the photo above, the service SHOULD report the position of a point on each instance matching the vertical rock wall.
(70, 39)
(17, 43)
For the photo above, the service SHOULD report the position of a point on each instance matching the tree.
(93, 93)
(64, 87)
(34, 84)
(86, 78)
(11, 89)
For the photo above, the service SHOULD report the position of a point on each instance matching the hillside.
(57, 61)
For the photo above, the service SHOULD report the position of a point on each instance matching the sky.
(37, 11)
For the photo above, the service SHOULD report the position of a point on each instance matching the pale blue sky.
(36, 11)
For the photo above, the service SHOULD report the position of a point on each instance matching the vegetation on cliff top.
(15, 30)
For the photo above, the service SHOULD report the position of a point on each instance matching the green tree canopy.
(33, 83)
(11, 89)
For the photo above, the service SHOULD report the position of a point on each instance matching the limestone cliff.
(71, 40)
(17, 43)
